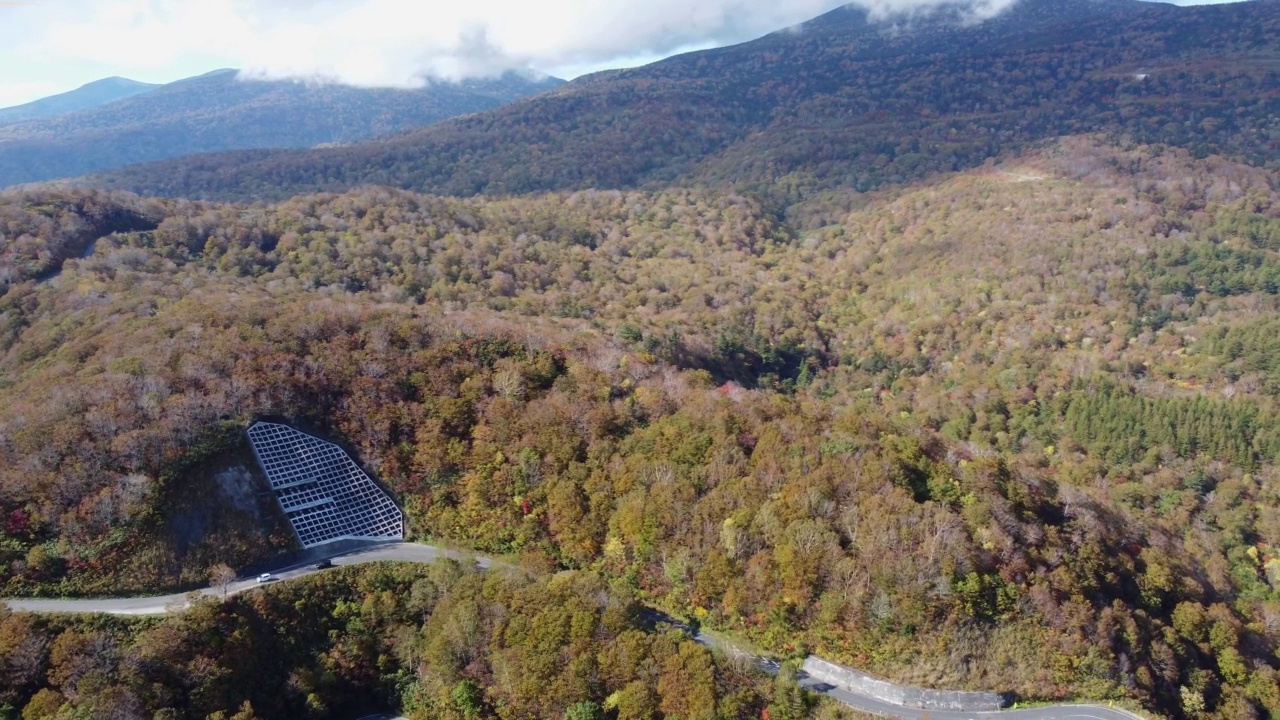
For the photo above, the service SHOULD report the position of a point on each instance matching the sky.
(51, 46)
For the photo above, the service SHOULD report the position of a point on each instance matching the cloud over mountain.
(393, 43)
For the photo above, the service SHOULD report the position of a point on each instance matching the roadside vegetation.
(433, 642)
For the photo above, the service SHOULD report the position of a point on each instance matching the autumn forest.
(988, 400)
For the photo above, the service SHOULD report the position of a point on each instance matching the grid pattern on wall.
(325, 495)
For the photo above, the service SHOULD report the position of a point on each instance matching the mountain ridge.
(848, 104)
(222, 111)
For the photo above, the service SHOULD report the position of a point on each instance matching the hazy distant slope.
(840, 101)
(219, 111)
(99, 92)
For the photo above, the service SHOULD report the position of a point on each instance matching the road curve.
(414, 552)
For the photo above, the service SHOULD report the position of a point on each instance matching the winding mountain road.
(413, 552)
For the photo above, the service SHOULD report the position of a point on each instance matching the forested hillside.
(839, 103)
(1013, 429)
(222, 111)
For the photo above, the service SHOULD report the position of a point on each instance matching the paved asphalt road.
(412, 552)
(1048, 712)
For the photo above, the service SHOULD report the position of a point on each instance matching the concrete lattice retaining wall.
(919, 698)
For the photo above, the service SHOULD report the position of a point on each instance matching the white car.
(265, 577)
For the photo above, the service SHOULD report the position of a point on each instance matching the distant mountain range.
(841, 101)
(96, 93)
(118, 122)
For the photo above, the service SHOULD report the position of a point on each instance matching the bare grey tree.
(221, 576)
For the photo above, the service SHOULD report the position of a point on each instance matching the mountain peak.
(118, 81)
(89, 95)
